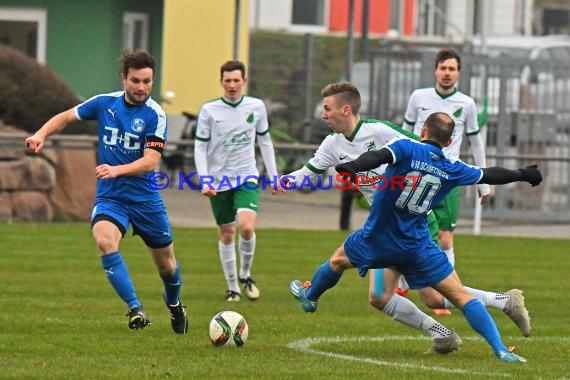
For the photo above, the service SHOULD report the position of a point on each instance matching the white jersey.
(459, 106)
(369, 135)
(230, 131)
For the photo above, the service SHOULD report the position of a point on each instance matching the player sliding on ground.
(354, 136)
(396, 234)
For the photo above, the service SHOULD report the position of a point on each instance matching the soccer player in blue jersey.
(445, 97)
(354, 136)
(396, 235)
(132, 134)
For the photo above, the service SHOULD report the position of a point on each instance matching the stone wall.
(55, 185)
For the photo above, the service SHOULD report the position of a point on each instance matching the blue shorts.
(423, 267)
(149, 219)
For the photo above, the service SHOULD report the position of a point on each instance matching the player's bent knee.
(166, 268)
(379, 301)
(339, 263)
(164, 259)
(375, 302)
(247, 231)
(431, 298)
(430, 302)
(106, 245)
(445, 239)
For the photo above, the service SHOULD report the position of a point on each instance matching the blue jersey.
(420, 177)
(122, 131)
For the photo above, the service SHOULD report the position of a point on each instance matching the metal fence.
(528, 122)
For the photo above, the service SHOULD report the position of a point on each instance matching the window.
(135, 30)
(432, 17)
(308, 12)
(25, 30)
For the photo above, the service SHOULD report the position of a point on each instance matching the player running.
(225, 152)
(132, 134)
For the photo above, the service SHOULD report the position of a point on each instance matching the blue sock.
(480, 320)
(323, 279)
(118, 275)
(172, 286)
(378, 283)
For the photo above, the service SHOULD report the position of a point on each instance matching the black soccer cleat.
(178, 318)
(232, 296)
(137, 318)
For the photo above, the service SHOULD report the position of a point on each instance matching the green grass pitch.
(60, 318)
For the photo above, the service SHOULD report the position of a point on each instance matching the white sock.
(403, 284)
(405, 311)
(246, 252)
(488, 299)
(228, 260)
(450, 256)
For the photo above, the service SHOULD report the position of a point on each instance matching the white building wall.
(270, 14)
(459, 14)
(502, 18)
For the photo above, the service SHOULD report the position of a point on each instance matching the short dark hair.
(136, 59)
(440, 127)
(445, 54)
(232, 66)
(344, 93)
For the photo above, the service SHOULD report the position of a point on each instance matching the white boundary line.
(304, 345)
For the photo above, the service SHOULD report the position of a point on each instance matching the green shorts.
(447, 211)
(226, 203)
(433, 227)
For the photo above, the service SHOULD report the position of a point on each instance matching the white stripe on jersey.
(161, 116)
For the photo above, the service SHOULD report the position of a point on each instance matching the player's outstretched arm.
(500, 176)
(294, 179)
(35, 143)
(366, 161)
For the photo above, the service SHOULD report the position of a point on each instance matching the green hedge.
(30, 93)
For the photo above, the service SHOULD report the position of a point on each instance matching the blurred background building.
(393, 17)
(516, 55)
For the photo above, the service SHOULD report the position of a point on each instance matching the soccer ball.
(228, 328)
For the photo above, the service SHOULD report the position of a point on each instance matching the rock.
(74, 193)
(5, 207)
(27, 173)
(31, 206)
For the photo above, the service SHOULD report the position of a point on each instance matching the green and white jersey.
(459, 106)
(369, 135)
(230, 130)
